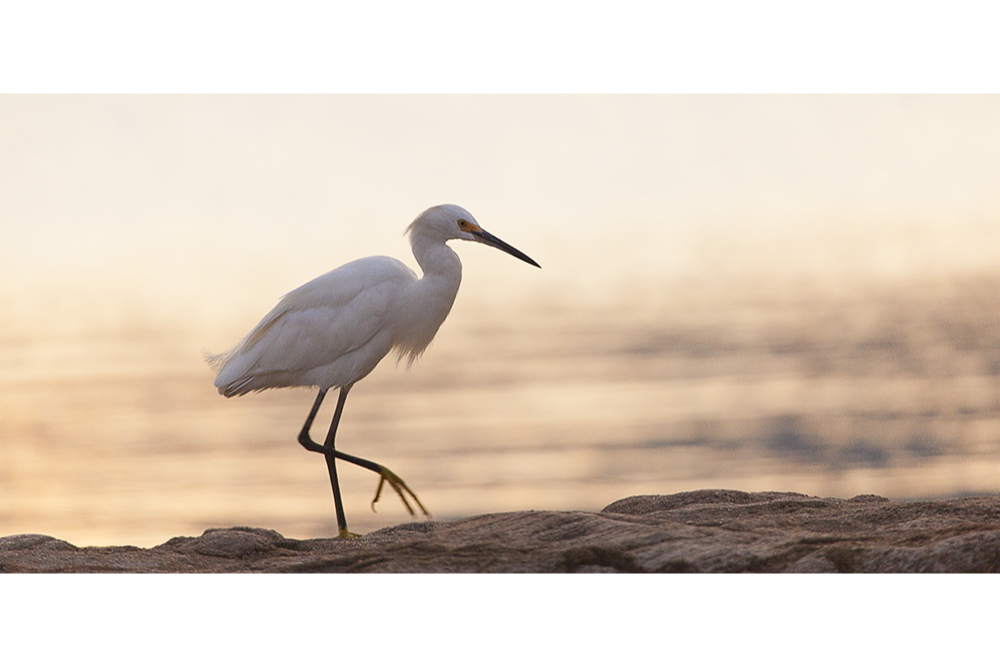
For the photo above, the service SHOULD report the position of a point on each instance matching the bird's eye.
(463, 223)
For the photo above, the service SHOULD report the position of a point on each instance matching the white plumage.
(330, 332)
(333, 330)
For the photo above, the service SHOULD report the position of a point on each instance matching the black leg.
(304, 438)
(328, 450)
(331, 461)
(331, 454)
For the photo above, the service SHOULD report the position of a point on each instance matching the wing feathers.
(331, 331)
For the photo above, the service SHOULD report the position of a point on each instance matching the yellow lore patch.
(467, 226)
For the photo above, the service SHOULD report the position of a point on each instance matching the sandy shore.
(700, 531)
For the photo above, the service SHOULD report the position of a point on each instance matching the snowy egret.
(333, 331)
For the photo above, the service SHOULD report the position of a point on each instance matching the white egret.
(333, 331)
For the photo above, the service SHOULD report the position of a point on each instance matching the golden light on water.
(763, 293)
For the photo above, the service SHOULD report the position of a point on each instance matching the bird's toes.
(401, 489)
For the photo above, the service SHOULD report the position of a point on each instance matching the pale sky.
(198, 203)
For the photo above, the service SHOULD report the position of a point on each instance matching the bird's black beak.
(484, 236)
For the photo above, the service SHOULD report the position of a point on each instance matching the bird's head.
(448, 221)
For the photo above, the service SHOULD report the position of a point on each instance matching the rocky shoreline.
(699, 531)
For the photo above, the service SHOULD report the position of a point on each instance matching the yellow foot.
(347, 535)
(399, 486)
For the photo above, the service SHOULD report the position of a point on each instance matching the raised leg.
(330, 452)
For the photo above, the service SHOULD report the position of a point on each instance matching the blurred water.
(895, 390)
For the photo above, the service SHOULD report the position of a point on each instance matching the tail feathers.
(238, 388)
(217, 361)
(228, 386)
